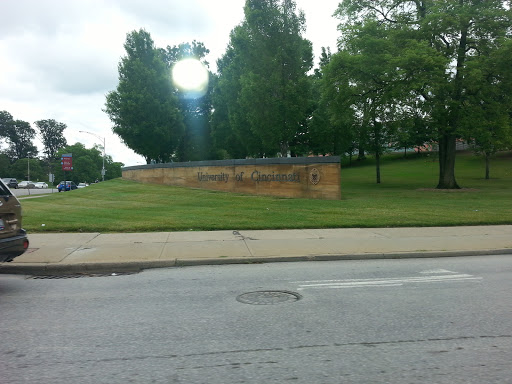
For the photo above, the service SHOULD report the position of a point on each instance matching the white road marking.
(436, 272)
(383, 282)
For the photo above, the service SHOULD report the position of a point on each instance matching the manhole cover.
(268, 297)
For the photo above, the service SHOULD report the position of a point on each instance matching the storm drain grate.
(79, 275)
(268, 297)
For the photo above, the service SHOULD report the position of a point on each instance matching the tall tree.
(231, 131)
(461, 31)
(324, 134)
(144, 108)
(18, 135)
(5, 120)
(195, 144)
(51, 133)
(266, 67)
(361, 82)
(487, 117)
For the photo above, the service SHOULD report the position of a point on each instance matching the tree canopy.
(19, 135)
(20, 159)
(51, 133)
(144, 108)
(460, 34)
(87, 165)
(262, 94)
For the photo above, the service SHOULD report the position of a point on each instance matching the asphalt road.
(442, 320)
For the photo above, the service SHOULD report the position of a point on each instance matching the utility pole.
(103, 139)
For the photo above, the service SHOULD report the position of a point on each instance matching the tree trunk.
(284, 148)
(377, 165)
(361, 155)
(447, 140)
(447, 162)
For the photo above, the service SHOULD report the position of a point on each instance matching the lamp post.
(101, 138)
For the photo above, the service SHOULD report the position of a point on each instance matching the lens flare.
(190, 76)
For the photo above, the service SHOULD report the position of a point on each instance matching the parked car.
(26, 184)
(83, 185)
(66, 186)
(13, 239)
(11, 182)
(40, 185)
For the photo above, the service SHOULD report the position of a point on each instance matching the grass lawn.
(404, 198)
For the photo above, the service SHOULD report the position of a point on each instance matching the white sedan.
(40, 185)
(26, 184)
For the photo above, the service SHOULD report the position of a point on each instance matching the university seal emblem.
(314, 176)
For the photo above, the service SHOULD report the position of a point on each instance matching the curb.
(136, 266)
(335, 257)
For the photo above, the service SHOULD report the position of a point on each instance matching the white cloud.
(42, 18)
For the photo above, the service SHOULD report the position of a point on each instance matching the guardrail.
(32, 191)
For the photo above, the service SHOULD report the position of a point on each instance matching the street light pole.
(101, 138)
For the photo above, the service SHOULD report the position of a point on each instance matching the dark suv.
(11, 182)
(13, 239)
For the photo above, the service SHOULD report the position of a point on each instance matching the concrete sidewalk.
(105, 253)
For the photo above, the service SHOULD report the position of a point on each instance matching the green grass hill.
(406, 197)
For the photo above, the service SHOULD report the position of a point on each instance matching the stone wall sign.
(295, 177)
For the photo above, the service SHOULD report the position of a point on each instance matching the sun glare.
(190, 76)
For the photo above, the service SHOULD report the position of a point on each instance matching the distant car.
(13, 239)
(26, 184)
(40, 185)
(11, 182)
(66, 186)
(83, 185)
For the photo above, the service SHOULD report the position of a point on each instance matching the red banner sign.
(67, 162)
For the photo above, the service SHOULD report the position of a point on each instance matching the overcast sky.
(58, 58)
